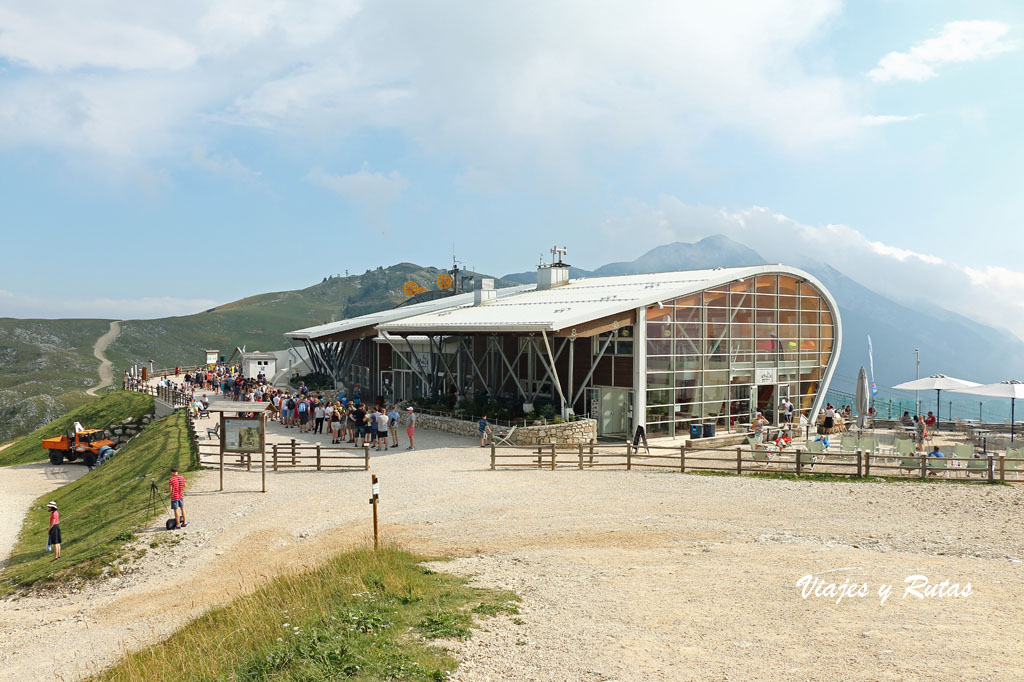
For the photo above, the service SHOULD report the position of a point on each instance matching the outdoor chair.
(962, 454)
(498, 439)
(816, 449)
(204, 413)
(909, 464)
(759, 452)
(977, 465)
(213, 433)
(848, 443)
(937, 465)
(1014, 461)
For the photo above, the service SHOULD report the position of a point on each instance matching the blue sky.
(230, 148)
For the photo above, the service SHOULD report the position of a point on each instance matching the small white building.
(255, 363)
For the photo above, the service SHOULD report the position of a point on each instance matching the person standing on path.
(318, 417)
(177, 486)
(381, 418)
(485, 431)
(53, 534)
(410, 430)
(393, 426)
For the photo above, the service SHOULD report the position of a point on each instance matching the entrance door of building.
(612, 411)
(767, 402)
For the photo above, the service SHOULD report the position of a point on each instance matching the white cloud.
(61, 40)
(534, 85)
(886, 119)
(364, 186)
(990, 294)
(15, 304)
(959, 41)
(228, 166)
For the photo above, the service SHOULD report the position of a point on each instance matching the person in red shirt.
(177, 486)
(929, 421)
(53, 535)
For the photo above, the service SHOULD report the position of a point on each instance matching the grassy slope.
(360, 617)
(99, 510)
(45, 367)
(96, 413)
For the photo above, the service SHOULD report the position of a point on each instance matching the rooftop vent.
(483, 292)
(554, 274)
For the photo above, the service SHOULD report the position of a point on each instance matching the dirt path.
(106, 369)
(624, 575)
(21, 485)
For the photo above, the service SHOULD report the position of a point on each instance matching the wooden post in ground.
(860, 464)
(798, 461)
(682, 458)
(867, 464)
(293, 452)
(591, 452)
(924, 467)
(739, 460)
(222, 469)
(581, 456)
(539, 464)
(629, 456)
(375, 490)
(263, 469)
(366, 457)
(1002, 468)
(275, 456)
(318, 456)
(552, 456)
(991, 469)
(493, 453)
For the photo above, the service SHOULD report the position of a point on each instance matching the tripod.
(154, 496)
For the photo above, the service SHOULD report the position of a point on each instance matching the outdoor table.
(984, 435)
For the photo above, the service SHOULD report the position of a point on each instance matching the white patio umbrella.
(1011, 388)
(862, 398)
(937, 383)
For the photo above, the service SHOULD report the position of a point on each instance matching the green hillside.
(100, 511)
(98, 413)
(259, 322)
(45, 368)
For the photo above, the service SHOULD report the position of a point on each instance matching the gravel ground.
(624, 575)
(21, 485)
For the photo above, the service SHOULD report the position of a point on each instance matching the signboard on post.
(766, 375)
(242, 434)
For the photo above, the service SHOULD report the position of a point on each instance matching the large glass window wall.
(723, 354)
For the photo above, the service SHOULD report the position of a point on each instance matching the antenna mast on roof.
(557, 253)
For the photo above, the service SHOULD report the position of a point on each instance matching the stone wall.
(581, 431)
(123, 431)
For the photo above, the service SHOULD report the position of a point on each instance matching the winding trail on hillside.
(106, 369)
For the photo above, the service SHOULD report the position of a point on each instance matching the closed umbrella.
(937, 383)
(1011, 388)
(863, 391)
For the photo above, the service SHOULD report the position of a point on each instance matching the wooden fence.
(169, 394)
(744, 459)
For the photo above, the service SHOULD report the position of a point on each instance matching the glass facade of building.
(723, 354)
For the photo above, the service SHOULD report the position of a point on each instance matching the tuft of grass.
(445, 624)
(100, 511)
(99, 413)
(355, 618)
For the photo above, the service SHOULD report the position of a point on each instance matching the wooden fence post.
(293, 452)
(1002, 468)
(222, 469)
(629, 456)
(263, 469)
(318, 456)
(493, 454)
(580, 448)
(867, 463)
(860, 464)
(682, 458)
(991, 470)
(798, 461)
(924, 465)
(739, 460)
(275, 456)
(539, 455)
(591, 452)
(552, 456)
(366, 457)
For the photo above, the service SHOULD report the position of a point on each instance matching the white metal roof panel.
(579, 301)
(392, 314)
